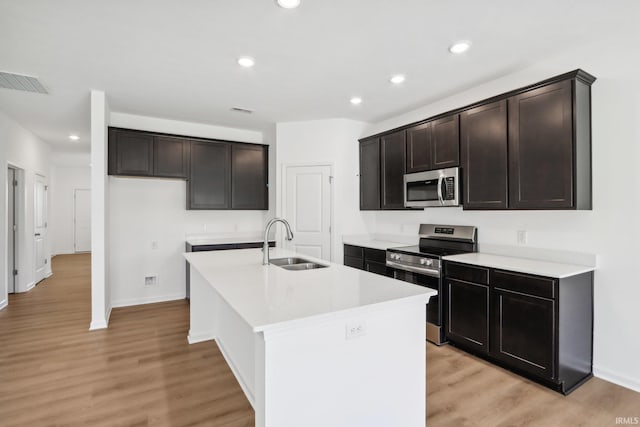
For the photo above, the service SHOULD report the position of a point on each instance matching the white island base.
(359, 366)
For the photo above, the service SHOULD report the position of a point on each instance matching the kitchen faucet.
(265, 245)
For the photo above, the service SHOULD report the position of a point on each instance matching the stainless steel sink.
(294, 263)
(303, 266)
(287, 261)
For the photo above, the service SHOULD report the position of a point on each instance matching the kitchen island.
(330, 346)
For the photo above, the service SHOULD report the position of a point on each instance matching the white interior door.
(40, 226)
(11, 230)
(82, 220)
(308, 209)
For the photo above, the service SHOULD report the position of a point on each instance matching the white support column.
(100, 296)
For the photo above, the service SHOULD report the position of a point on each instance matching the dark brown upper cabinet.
(249, 177)
(370, 174)
(434, 145)
(392, 167)
(139, 153)
(529, 148)
(550, 147)
(171, 157)
(484, 156)
(130, 153)
(209, 184)
(420, 148)
(446, 142)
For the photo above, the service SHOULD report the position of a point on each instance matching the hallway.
(140, 371)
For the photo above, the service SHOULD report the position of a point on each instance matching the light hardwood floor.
(141, 371)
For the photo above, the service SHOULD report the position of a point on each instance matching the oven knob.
(396, 256)
(424, 261)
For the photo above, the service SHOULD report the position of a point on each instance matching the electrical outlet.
(355, 330)
(151, 280)
(154, 245)
(522, 237)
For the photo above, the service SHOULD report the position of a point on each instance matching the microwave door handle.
(440, 180)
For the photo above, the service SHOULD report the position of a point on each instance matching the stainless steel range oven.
(421, 265)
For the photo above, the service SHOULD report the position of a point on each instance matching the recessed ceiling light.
(459, 47)
(246, 61)
(288, 4)
(74, 137)
(356, 100)
(397, 79)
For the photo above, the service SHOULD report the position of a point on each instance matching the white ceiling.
(177, 59)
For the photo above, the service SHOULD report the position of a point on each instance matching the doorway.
(307, 205)
(12, 228)
(82, 220)
(40, 227)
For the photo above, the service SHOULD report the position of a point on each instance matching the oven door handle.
(420, 270)
(440, 197)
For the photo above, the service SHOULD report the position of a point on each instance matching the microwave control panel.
(448, 192)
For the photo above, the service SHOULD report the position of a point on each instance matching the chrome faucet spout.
(265, 245)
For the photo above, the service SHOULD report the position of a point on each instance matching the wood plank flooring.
(142, 372)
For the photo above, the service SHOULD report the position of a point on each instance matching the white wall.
(21, 148)
(100, 288)
(609, 230)
(331, 141)
(144, 211)
(70, 172)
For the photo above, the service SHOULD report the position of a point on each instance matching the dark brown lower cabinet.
(467, 313)
(539, 327)
(368, 259)
(523, 331)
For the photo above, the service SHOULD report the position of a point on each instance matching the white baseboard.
(4, 303)
(147, 300)
(616, 378)
(108, 316)
(98, 324)
(30, 286)
(196, 337)
(49, 274)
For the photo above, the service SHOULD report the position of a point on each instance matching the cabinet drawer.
(523, 283)
(376, 267)
(353, 251)
(375, 255)
(467, 273)
(354, 262)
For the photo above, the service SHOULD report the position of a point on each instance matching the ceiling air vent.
(20, 82)
(241, 110)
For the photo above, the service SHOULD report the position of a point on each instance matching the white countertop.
(372, 243)
(268, 295)
(521, 265)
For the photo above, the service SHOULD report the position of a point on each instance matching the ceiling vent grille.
(20, 82)
(241, 110)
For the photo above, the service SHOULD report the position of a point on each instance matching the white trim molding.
(147, 300)
(617, 378)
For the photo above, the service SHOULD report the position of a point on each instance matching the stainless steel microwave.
(432, 188)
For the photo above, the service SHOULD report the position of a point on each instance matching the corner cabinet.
(539, 327)
(392, 161)
(370, 174)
